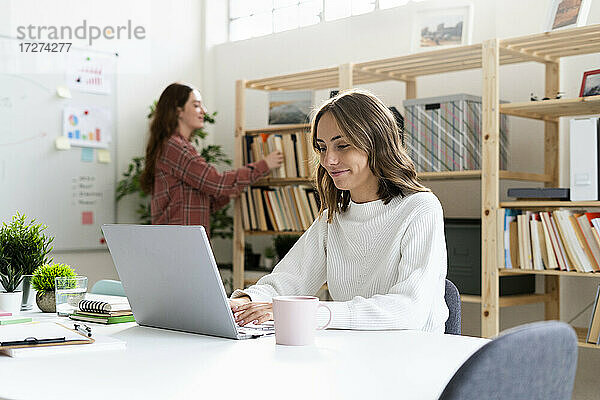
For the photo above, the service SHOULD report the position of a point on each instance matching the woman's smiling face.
(347, 165)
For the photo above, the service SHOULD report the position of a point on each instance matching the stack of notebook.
(103, 309)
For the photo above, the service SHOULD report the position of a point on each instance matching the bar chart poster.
(87, 126)
(90, 73)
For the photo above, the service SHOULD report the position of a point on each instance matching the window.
(262, 17)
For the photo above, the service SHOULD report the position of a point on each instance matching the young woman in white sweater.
(379, 240)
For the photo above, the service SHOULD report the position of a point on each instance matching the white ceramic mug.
(296, 319)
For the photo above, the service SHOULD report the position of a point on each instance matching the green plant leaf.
(43, 277)
(23, 248)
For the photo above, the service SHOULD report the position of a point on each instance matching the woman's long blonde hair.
(369, 126)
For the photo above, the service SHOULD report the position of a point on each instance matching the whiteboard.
(70, 191)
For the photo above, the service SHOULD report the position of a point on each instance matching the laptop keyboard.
(257, 329)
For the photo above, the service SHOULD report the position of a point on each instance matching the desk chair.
(108, 287)
(452, 298)
(532, 361)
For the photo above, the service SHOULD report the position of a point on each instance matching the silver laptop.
(171, 279)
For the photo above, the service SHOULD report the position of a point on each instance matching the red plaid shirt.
(187, 188)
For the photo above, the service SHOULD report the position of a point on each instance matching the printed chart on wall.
(58, 141)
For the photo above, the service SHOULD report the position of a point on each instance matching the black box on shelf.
(463, 241)
(540, 193)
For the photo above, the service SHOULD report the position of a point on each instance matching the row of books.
(296, 149)
(288, 208)
(561, 239)
(103, 309)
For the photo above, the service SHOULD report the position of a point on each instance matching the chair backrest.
(453, 302)
(109, 287)
(532, 361)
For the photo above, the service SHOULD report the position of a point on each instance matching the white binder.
(584, 159)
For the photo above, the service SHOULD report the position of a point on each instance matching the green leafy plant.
(221, 224)
(43, 277)
(23, 248)
(283, 244)
(269, 252)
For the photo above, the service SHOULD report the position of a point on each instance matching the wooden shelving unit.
(549, 48)
(546, 48)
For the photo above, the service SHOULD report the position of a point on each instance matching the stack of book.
(296, 149)
(103, 309)
(289, 208)
(561, 239)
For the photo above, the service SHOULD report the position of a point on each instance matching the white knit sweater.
(385, 266)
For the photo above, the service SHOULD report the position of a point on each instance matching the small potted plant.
(251, 259)
(23, 248)
(43, 281)
(269, 256)
(283, 244)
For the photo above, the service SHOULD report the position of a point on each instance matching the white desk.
(161, 364)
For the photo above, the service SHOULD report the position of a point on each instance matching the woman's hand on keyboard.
(235, 303)
(255, 312)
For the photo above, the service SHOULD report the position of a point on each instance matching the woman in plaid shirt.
(185, 188)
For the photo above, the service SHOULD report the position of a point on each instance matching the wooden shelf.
(470, 298)
(509, 271)
(509, 301)
(543, 48)
(283, 181)
(548, 204)
(550, 110)
(581, 336)
(476, 174)
(425, 176)
(278, 129)
(259, 233)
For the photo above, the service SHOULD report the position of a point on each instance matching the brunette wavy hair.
(369, 126)
(163, 125)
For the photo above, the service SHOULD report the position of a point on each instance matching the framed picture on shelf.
(590, 84)
(567, 14)
(442, 27)
(290, 107)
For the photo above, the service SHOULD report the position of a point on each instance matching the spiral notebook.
(96, 303)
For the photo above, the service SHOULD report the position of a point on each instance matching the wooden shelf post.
(345, 76)
(551, 158)
(490, 154)
(238, 229)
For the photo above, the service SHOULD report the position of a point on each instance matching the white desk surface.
(162, 364)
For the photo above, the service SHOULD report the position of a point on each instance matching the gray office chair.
(109, 287)
(452, 298)
(529, 362)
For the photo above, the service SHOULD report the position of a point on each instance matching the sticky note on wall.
(87, 154)
(87, 217)
(103, 156)
(62, 143)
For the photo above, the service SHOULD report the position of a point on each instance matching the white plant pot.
(11, 302)
(268, 263)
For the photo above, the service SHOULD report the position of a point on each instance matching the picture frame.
(564, 14)
(437, 28)
(590, 83)
(290, 107)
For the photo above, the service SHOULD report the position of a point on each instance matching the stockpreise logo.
(83, 31)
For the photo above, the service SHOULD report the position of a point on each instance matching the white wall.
(172, 51)
(387, 33)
